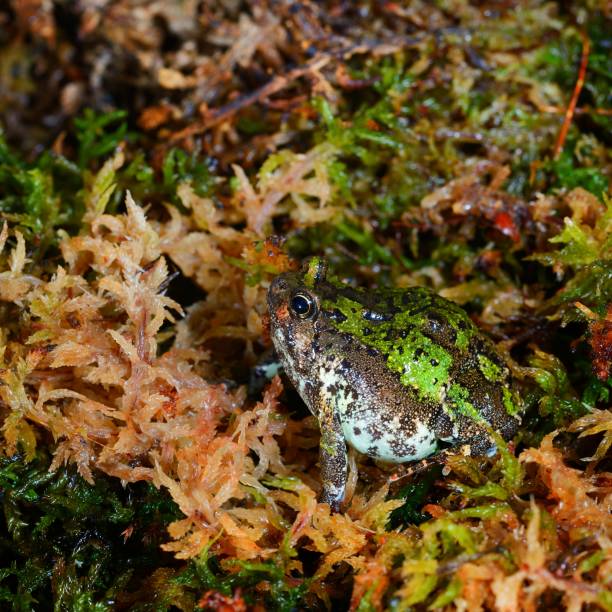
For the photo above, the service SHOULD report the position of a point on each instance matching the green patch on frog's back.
(426, 368)
(420, 334)
(491, 371)
(458, 400)
(424, 340)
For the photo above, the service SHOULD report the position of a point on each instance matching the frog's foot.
(333, 498)
(407, 471)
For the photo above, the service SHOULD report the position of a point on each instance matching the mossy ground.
(409, 143)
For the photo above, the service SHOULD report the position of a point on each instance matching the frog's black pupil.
(301, 305)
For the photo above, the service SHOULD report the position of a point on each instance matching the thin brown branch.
(569, 113)
(221, 114)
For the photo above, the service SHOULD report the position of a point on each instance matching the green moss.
(569, 173)
(180, 167)
(67, 542)
(99, 134)
(448, 595)
(52, 192)
(559, 59)
(39, 197)
(414, 495)
(586, 252)
(264, 583)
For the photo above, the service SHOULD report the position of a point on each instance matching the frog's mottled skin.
(391, 372)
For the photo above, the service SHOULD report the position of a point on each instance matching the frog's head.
(294, 305)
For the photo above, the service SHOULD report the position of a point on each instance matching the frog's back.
(405, 325)
(440, 357)
(447, 359)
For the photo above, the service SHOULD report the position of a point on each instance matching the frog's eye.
(303, 305)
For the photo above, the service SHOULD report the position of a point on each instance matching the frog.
(398, 374)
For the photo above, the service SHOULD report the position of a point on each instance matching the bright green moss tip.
(316, 269)
(490, 370)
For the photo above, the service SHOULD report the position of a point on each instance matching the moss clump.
(61, 544)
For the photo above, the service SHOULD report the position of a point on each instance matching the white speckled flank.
(420, 445)
(360, 421)
(361, 441)
(423, 442)
(329, 378)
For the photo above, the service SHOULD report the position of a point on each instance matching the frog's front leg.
(332, 456)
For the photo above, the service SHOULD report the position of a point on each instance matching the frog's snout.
(278, 285)
(278, 288)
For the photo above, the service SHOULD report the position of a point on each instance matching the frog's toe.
(332, 497)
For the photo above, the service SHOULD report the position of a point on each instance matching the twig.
(569, 113)
(218, 115)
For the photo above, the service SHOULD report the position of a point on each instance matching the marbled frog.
(395, 373)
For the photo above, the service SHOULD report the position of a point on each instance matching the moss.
(74, 545)
(38, 197)
(414, 496)
(99, 134)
